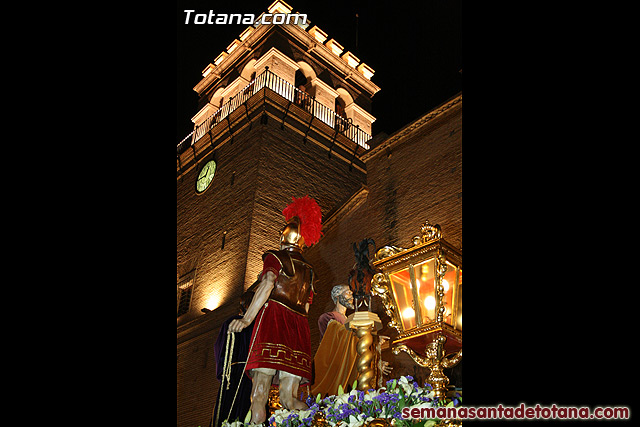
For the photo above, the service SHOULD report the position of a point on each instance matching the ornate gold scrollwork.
(274, 400)
(319, 420)
(441, 269)
(430, 231)
(433, 360)
(379, 422)
(386, 251)
(380, 286)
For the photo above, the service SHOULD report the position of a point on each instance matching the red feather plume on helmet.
(310, 216)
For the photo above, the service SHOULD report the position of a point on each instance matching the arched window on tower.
(302, 97)
(341, 119)
(300, 79)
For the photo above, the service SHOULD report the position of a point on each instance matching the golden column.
(364, 323)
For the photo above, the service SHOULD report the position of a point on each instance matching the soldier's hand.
(237, 325)
(386, 369)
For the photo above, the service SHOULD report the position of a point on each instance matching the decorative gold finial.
(430, 232)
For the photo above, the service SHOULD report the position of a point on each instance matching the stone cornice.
(313, 47)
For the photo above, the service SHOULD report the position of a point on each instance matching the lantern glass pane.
(449, 283)
(458, 302)
(425, 284)
(401, 288)
(425, 281)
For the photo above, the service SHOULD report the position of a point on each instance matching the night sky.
(415, 50)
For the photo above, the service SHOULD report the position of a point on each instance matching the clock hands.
(205, 176)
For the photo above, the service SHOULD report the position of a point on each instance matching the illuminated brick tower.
(277, 119)
(285, 111)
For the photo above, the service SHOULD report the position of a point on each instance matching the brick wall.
(289, 168)
(196, 374)
(419, 177)
(203, 219)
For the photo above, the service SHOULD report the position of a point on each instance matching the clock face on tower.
(205, 176)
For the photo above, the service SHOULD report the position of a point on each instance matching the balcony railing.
(282, 87)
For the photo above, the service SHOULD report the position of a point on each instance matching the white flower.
(304, 414)
(344, 398)
(280, 415)
(371, 394)
(353, 422)
(406, 386)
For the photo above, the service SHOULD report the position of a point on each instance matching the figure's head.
(291, 238)
(342, 294)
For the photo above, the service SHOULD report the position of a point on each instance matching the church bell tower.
(284, 111)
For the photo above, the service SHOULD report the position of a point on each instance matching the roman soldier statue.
(280, 351)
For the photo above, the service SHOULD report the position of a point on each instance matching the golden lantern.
(421, 289)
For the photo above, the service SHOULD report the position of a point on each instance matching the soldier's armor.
(295, 280)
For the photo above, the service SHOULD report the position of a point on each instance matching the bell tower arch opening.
(306, 71)
(342, 101)
(249, 71)
(303, 82)
(300, 79)
(217, 98)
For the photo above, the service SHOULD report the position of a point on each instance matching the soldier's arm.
(261, 296)
(306, 306)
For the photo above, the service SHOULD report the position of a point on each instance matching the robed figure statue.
(231, 351)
